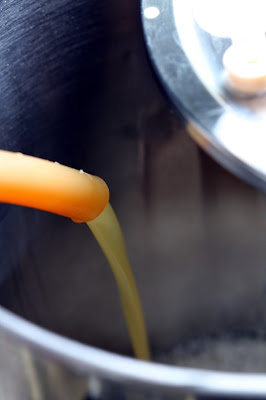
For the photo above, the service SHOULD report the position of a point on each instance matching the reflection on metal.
(151, 12)
(189, 65)
(200, 256)
(94, 388)
(31, 375)
(226, 18)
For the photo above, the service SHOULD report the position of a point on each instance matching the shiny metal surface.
(195, 233)
(106, 370)
(188, 60)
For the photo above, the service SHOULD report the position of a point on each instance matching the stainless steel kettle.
(77, 88)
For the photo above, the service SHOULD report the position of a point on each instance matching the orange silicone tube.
(45, 185)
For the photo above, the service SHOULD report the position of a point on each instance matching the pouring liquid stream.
(44, 185)
(107, 232)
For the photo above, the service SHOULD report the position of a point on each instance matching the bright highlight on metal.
(151, 12)
(226, 18)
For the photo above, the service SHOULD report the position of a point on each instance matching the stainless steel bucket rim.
(126, 370)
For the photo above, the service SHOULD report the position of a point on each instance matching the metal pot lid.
(187, 60)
